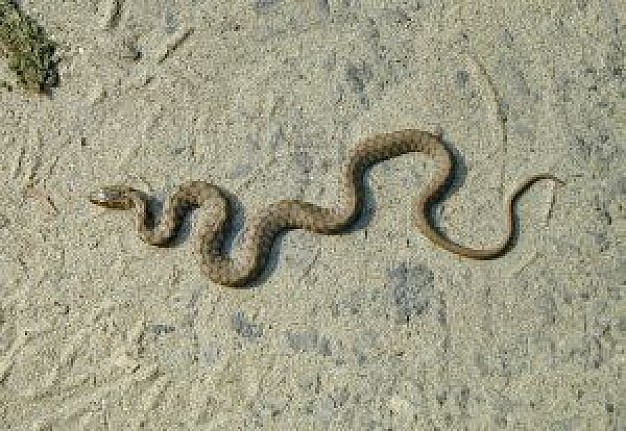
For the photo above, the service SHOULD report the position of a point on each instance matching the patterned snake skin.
(295, 214)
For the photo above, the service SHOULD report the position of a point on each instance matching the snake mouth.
(111, 197)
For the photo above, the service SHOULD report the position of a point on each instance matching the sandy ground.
(377, 329)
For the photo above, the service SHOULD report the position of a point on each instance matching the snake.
(283, 215)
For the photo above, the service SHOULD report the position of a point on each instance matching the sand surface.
(377, 329)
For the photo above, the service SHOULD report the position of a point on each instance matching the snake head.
(116, 197)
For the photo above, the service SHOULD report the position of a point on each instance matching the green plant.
(29, 52)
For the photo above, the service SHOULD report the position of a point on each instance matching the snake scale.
(296, 214)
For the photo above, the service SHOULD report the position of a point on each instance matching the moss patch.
(29, 52)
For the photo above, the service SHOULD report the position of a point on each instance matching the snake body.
(296, 214)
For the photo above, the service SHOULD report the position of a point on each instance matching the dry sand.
(377, 329)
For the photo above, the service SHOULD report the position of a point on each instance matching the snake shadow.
(369, 207)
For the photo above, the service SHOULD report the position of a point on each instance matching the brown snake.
(295, 214)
